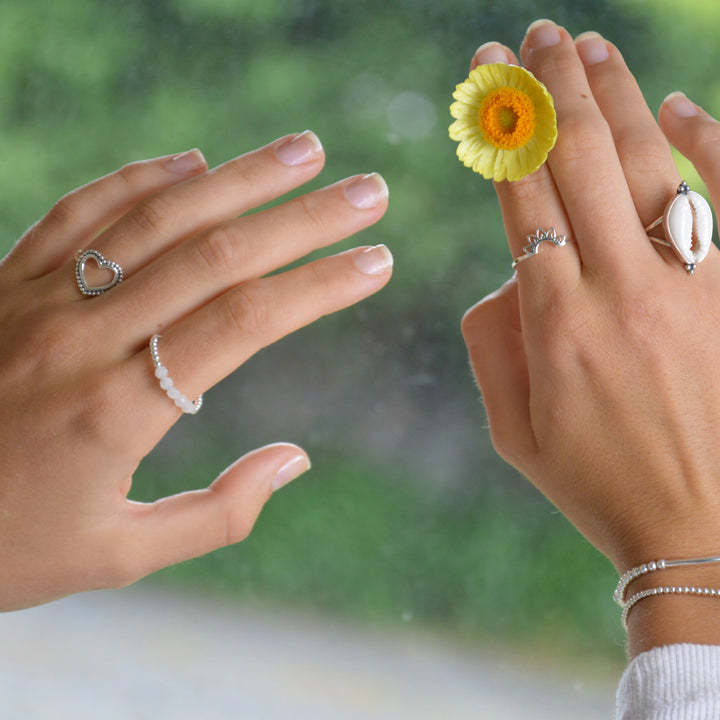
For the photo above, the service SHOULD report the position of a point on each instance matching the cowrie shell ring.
(688, 225)
(85, 287)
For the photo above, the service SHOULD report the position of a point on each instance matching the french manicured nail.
(367, 192)
(490, 52)
(542, 34)
(290, 470)
(592, 48)
(186, 163)
(301, 149)
(374, 260)
(679, 105)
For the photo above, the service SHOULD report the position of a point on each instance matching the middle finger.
(585, 163)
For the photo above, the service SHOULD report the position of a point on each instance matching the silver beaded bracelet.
(161, 373)
(630, 575)
(665, 590)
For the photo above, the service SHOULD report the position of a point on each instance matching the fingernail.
(290, 470)
(542, 34)
(186, 162)
(300, 149)
(679, 105)
(490, 52)
(592, 48)
(366, 192)
(374, 260)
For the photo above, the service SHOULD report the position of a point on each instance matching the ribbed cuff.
(677, 682)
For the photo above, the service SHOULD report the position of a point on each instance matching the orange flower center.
(507, 118)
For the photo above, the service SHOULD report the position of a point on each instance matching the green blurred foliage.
(88, 85)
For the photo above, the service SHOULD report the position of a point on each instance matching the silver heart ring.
(85, 287)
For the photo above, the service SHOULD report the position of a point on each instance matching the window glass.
(408, 518)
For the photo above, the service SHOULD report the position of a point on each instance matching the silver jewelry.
(102, 263)
(688, 225)
(629, 575)
(161, 373)
(665, 590)
(534, 242)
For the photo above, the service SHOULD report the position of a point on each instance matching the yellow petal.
(504, 121)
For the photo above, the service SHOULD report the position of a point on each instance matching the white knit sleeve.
(677, 682)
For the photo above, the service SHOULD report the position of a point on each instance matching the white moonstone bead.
(173, 393)
(166, 383)
(161, 372)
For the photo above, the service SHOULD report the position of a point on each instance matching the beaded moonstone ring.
(161, 373)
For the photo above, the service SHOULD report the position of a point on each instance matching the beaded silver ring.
(161, 373)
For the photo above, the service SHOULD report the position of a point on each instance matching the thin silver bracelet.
(630, 575)
(665, 590)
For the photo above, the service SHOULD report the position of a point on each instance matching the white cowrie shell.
(688, 226)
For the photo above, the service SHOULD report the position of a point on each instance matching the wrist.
(679, 617)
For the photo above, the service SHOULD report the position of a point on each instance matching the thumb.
(184, 526)
(491, 330)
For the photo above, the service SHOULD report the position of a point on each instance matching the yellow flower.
(505, 122)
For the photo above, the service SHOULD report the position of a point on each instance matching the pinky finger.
(181, 527)
(696, 135)
(79, 216)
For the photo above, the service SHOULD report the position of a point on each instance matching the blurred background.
(408, 519)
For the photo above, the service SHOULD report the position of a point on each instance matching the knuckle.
(703, 140)
(242, 179)
(239, 525)
(244, 311)
(312, 213)
(651, 155)
(581, 136)
(65, 211)
(150, 216)
(120, 567)
(217, 249)
(129, 174)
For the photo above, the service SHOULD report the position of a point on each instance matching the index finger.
(529, 204)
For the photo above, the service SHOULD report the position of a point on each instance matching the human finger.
(212, 342)
(584, 162)
(164, 220)
(695, 134)
(528, 204)
(250, 247)
(79, 216)
(492, 332)
(177, 528)
(642, 148)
